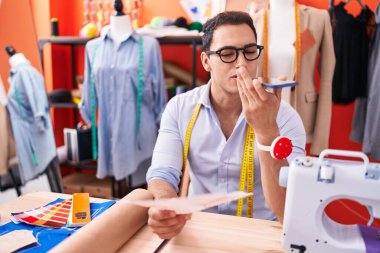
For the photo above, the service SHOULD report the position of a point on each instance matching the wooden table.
(205, 232)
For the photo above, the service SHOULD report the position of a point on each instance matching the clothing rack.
(193, 41)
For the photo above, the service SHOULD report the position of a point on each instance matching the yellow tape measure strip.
(185, 181)
(297, 43)
(249, 151)
(247, 172)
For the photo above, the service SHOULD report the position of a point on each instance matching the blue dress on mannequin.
(30, 119)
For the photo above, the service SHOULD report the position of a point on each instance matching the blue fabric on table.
(49, 237)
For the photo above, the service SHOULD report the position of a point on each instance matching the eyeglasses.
(229, 54)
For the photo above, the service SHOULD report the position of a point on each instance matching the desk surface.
(205, 232)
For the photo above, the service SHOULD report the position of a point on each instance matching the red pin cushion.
(280, 148)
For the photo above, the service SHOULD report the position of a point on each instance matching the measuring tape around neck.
(94, 137)
(297, 43)
(23, 116)
(247, 172)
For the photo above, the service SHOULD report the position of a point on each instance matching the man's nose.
(241, 61)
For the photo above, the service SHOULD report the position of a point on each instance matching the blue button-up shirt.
(215, 162)
(30, 119)
(116, 78)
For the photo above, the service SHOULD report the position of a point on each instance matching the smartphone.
(275, 83)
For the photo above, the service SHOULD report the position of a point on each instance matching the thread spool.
(54, 27)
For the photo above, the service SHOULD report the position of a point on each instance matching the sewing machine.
(312, 183)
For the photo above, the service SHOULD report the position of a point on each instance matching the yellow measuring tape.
(247, 173)
(297, 43)
(185, 181)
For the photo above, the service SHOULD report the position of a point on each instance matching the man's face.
(224, 74)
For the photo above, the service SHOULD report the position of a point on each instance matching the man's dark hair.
(225, 18)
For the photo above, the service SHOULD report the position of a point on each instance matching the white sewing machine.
(312, 183)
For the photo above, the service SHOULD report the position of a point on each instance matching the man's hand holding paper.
(190, 205)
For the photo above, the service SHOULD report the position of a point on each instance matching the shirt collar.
(204, 99)
(205, 96)
(134, 35)
(18, 66)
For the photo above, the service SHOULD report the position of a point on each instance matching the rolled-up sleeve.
(159, 90)
(167, 155)
(291, 126)
(86, 106)
(32, 83)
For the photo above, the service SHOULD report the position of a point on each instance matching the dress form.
(14, 60)
(281, 36)
(120, 24)
(17, 59)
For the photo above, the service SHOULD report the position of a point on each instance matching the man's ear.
(205, 61)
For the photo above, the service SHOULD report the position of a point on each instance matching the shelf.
(73, 40)
(64, 40)
(180, 40)
(64, 105)
(87, 165)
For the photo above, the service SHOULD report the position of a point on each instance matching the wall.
(70, 25)
(20, 34)
(69, 13)
(41, 15)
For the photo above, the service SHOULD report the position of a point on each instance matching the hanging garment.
(351, 50)
(30, 120)
(313, 107)
(366, 122)
(4, 141)
(3, 95)
(360, 113)
(123, 142)
(7, 147)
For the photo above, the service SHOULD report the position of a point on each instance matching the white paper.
(15, 240)
(189, 205)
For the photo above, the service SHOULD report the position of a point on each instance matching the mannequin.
(29, 116)
(15, 58)
(120, 24)
(281, 35)
(300, 36)
(124, 84)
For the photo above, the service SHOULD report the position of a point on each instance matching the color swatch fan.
(73, 212)
(53, 215)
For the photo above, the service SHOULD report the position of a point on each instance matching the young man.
(231, 102)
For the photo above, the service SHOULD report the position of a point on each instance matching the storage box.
(79, 144)
(100, 188)
(74, 182)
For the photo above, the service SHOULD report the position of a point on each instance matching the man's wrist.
(267, 138)
(280, 148)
